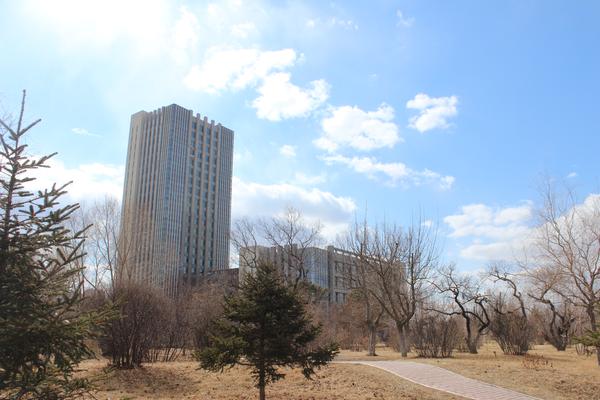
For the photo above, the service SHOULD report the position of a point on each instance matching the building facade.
(176, 211)
(327, 268)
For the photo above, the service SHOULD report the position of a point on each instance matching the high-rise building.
(176, 211)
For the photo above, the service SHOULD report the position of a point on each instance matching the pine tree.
(265, 326)
(42, 327)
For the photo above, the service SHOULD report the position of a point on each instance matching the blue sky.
(451, 109)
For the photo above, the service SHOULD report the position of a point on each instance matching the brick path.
(446, 381)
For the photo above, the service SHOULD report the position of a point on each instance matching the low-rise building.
(327, 268)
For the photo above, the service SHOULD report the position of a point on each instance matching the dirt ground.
(183, 380)
(544, 373)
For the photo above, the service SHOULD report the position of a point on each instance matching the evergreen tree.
(42, 329)
(265, 326)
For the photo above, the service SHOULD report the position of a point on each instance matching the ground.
(546, 373)
(183, 380)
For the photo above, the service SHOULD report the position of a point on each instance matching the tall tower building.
(176, 211)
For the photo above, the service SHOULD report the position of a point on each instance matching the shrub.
(435, 336)
(129, 338)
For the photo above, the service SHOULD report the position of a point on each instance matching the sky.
(451, 113)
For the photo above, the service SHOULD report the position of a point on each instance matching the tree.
(591, 338)
(401, 262)
(359, 277)
(291, 239)
(568, 242)
(467, 301)
(509, 322)
(43, 330)
(557, 318)
(265, 326)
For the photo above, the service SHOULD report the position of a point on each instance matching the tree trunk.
(372, 340)
(261, 384)
(402, 345)
(594, 327)
(472, 345)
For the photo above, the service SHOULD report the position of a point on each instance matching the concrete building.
(176, 211)
(327, 268)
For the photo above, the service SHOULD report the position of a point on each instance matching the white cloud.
(307, 180)
(93, 180)
(494, 233)
(361, 130)
(251, 199)
(406, 22)
(280, 99)
(288, 151)
(235, 69)
(77, 23)
(185, 36)
(434, 112)
(243, 30)
(396, 172)
(572, 175)
(84, 132)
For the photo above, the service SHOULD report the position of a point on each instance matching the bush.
(129, 338)
(511, 330)
(435, 336)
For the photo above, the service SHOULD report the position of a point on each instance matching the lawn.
(545, 373)
(183, 380)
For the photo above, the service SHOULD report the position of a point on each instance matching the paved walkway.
(447, 381)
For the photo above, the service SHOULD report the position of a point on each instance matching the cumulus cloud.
(252, 199)
(288, 151)
(434, 112)
(395, 172)
(90, 181)
(235, 69)
(493, 233)
(280, 99)
(350, 126)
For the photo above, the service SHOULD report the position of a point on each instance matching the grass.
(183, 380)
(544, 373)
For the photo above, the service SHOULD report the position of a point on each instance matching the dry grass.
(545, 373)
(183, 380)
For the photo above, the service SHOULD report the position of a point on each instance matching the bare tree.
(293, 236)
(509, 322)
(359, 278)
(568, 241)
(289, 238)
(467, 300)
(401, 263)
(557, 318)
